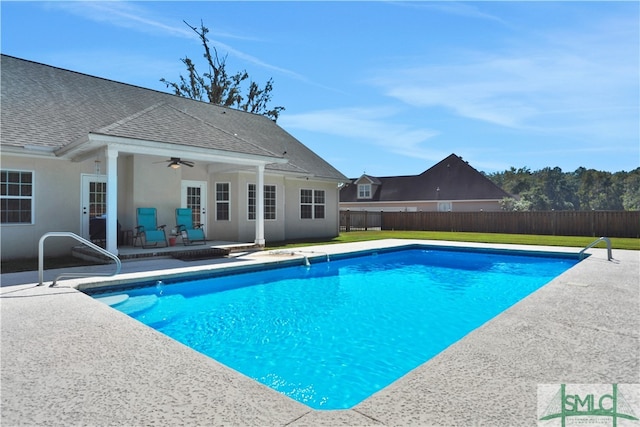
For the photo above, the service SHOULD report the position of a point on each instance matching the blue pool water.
(332, 334)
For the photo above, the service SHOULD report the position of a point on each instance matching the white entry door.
(94, 200)
(194, 196)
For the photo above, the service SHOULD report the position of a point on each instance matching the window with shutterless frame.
(16, 197)
(269, 202)
(223, 201)
(364, 191)
(312, 204)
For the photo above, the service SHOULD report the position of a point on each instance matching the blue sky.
(385, 88)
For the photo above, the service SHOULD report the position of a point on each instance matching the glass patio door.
(194, 196)
(94, 201)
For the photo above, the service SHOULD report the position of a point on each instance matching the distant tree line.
(584, 189)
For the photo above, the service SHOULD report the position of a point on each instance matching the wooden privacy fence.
(561, 223)
(360, 221)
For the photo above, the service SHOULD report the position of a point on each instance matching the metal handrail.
(80, 239)
(595, 242)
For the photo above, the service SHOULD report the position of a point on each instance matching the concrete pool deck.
(67, 359)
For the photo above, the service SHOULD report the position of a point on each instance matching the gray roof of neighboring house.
(368, 179)
(450, 179)
(52, 107)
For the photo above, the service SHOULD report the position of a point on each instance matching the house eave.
(29, 151)
(85, 148)
(295, 176)
(312, 177)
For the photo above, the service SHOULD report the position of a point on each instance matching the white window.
(16, 197)
(364, 191)
(444, 206)
(312, 204)
(222, 201)
(269, 202)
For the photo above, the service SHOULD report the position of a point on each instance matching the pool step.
(149, 309)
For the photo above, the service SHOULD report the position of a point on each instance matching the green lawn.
(517, 239)
(360, 236)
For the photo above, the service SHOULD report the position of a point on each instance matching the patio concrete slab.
(67, 359)
(70, 360)
(563, 333)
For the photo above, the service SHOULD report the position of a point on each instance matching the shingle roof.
(368, 179)
(52, 107)
(450, 179)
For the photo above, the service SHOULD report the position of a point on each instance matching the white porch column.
(260, 205)
(111, 157)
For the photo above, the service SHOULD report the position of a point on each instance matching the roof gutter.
(29, 151)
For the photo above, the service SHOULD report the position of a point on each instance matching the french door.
(93, 200)
(194, 196)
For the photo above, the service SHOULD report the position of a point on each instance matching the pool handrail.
(81, 240)
(595, 242)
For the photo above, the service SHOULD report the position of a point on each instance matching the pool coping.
(60, 346)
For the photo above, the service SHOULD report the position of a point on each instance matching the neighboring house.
(76, 147)
(450, 185)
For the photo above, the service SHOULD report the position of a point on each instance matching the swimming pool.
(332, 334)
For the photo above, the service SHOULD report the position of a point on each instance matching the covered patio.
(130, 178)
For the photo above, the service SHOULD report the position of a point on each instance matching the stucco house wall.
(56, 188)
(274, 230)
(300, 228)
(142, 183)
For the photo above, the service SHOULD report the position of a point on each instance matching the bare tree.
(218, 87)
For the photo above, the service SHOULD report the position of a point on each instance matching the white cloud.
(456, 8)
(582, 82)
(134, 16)
(123, 14)
(366, 125)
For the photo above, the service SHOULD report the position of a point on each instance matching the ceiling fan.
(175, 162)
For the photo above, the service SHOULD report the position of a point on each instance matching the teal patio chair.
(189, 231)
(148, 230)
